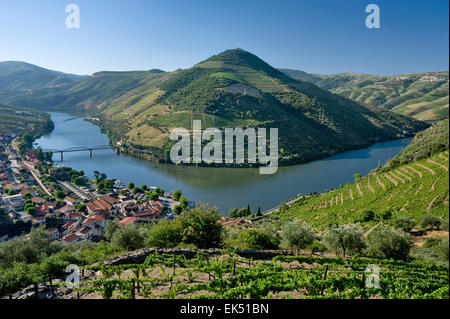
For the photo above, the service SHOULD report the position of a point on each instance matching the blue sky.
(316, 36)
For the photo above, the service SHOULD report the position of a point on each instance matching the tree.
(81, 207)
(110, 228)
(258, 213)
(256, 239)
(165, 234)
(27, 195)
(31, 211)
(176, 194)
(404, 223)
(178, 209)
(297, 235)
(248, 210)
(183, 202)
(200, 226)
(129, 237)
(344, 239)
(430, 221)
(153, 196)
(387, 242)
(130, 185)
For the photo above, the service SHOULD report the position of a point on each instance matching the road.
(30, 169)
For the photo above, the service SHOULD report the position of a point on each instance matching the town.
(72, 208)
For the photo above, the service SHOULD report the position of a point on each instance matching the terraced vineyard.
(231, 276)
(414, 190)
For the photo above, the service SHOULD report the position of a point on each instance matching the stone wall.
(139, 256)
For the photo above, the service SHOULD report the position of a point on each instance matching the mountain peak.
(241, 57)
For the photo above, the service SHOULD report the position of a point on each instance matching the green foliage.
(386, 242)
(404, 223)
(200, 226)
(256, 239)
(110, 228)
(129, 237)
(344, 239)
(297, 235)
(365, 216)
(235, 213)
(165, 234)
(430, 221)
(176, 194)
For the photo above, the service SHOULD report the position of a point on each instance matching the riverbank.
(225, 188)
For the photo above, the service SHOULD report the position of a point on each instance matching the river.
(224, 188)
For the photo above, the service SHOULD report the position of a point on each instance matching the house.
(71, 238)
(96, 223)
(70, 201)
(38, 200)
(127, 221)
(54, 233)
(37, 221)
(85, 233)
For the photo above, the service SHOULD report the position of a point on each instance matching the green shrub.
(130, 237)
(200, 226)
(344, 239)
(404, 223)
(165, 234)
(297, 235)
(387, 242)
(316, 247)
(256, 239)
(430, 221)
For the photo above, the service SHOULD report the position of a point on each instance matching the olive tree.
(344, 239)
(296, 234)
(404, 223)
(129, 237)
(388, 242)
(200, 226)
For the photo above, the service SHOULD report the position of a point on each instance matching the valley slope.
(414, 183)
(423, 96)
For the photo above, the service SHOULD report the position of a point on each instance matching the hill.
(20, 120)
(18, 78)
(423, 96)
(233, 88)
(415, 183)
(236, 88)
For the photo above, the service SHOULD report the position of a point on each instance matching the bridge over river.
(90, 149)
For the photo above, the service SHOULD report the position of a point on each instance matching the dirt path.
(393, 181)
(380, 183)
(434, 184)
(415, 171)
(351, 194)
(431, 203)
(359, 190)
(370, 186)
(443, 157)
(419, 189)
(427, 168)
(438, 164)
(367, 233)
(403, 175)
(398, 177)
(342, 199)
(405, 171)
